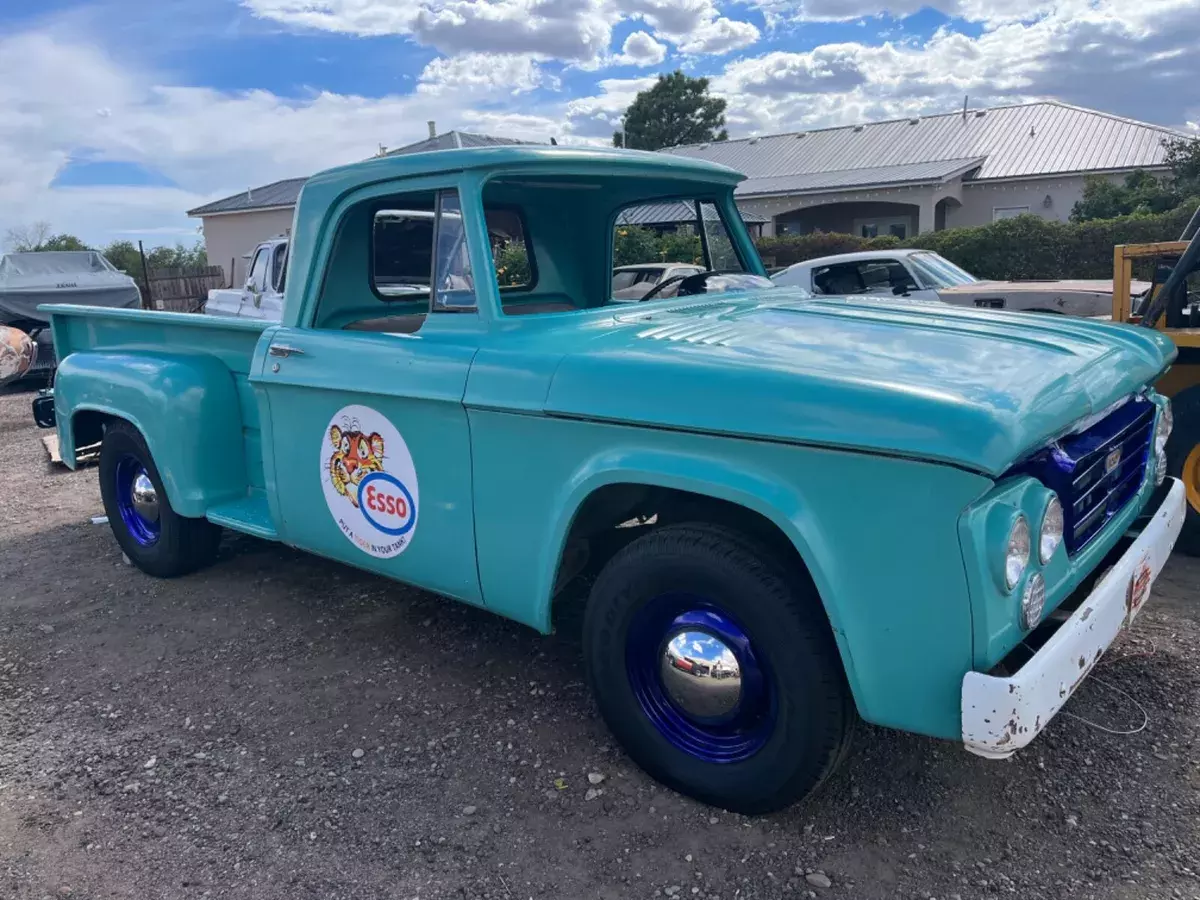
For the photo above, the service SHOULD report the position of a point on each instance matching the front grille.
(1097, 471)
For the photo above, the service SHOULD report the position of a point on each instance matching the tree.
(1141, 194)
(124, 255)
(1183, 156)
(24, 238)
(676, 110)
(63, 242)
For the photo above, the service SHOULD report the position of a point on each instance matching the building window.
(900, 231)
(870, 231)
(1008, 212)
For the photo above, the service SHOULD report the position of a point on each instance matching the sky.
(117, 116)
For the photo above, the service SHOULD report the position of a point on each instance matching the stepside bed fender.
(185, 406)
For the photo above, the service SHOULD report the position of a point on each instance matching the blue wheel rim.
(143, 530)
(729, 738)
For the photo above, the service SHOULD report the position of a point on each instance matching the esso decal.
(369, 481)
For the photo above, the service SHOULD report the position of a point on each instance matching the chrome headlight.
(1016, 552)
(1033, 601)
(1162, 432)
(1051, 534)
(1162, 429)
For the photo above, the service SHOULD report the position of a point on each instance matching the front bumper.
(1000, 715)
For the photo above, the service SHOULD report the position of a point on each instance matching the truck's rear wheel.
(156, 539)
(1183, 462)
(717, 673)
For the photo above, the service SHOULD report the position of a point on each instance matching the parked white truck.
(262, 295)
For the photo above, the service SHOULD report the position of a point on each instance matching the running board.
(249, 515)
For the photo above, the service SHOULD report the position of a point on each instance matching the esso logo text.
(386, 504)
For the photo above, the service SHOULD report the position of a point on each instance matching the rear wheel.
(156, 539)
(1183, 462)
(716, 671)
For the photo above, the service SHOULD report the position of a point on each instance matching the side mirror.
(901, 290)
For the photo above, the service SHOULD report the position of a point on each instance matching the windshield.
(938, 272)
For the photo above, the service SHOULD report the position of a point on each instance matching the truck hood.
(972, 388)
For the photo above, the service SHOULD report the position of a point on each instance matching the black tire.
(1185, 436)
(781, 615)
(182, 545)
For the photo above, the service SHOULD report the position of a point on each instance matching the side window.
(453, 283)
(258, 271)
(881, 275)
(842, 278)
(510, 248)
(277, 267)
(402, 248)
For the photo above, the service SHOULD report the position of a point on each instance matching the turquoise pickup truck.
(789, 512)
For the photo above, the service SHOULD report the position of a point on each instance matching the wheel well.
(87, 426)
(616, 514)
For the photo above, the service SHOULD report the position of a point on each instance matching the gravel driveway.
(280, 726)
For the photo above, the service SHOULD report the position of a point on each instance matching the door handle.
(283, 350)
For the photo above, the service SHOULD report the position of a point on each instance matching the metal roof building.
(968, 167)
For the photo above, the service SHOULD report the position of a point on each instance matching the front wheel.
(156, 539)
(716, 671)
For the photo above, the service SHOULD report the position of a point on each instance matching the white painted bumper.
(1002, 715)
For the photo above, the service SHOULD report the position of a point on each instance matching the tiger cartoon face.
(355, 456)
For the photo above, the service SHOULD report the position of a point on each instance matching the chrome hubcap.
(701, 675)
(145, 498)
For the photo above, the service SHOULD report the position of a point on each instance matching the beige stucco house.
(924, 173)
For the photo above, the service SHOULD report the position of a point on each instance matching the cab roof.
(601, 161)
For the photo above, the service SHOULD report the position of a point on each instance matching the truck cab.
(784, 512)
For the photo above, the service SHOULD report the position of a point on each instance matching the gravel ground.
(280, 726)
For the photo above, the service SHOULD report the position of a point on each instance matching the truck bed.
(122, 337)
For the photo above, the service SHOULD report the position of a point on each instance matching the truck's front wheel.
(716, 671)
(156, 539)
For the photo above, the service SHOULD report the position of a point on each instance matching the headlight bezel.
(1163, 426)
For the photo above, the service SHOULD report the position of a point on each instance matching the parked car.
(924, 275)
(57, 276)
(937, 519)
(632, 283)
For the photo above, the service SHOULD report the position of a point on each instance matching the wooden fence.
(181, 290)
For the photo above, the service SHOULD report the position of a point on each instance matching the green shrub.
(1024, 247)
(512, 264)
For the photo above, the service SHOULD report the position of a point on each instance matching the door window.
(258, 271)
(277, 267)
(454, 286)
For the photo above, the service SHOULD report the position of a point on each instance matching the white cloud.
(480, 73)
(210, 143)
(640, 49)
(578, 31)
(719, 35)
(1109, 55)
(600, 115)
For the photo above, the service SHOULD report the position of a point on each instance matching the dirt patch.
(279, 726)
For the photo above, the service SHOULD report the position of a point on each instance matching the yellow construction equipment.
(1172, 305)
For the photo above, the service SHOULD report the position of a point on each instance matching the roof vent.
(705, 146)
(801, 134)
(754, 140)
(914, 120)
(857, 129)
(980, 113)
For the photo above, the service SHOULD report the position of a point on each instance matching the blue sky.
(121, 115)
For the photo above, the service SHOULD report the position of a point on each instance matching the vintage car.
(636, 281)
(924, 275)
(934, 518)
